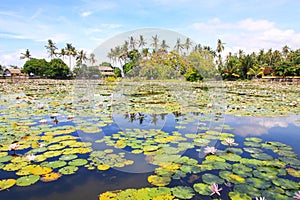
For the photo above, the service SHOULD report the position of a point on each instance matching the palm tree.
(70, 51)
(132, 43)
(62, 53)
(187, 44)
(164, 46)
(285, 51)
(155, 42)
(26, 55)
(142, 42)
(81, 57)
(178, 46)
(220, 46)
(92, 58)
(51, 48)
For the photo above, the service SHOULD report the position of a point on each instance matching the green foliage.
(87, 71)
(57, 69)
(193, 76)
(36, 66)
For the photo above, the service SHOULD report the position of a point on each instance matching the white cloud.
(86, 14)
(249, 34)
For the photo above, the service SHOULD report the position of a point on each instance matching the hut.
(106, 71)
(12, 72)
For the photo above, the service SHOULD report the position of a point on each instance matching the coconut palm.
(164, 46)
(92, 58)
(70, 51)
(285, 51)
(26, 55)
(62, 53)
(178, 46)
(81, 57)
(188, 43)
(141, 42)
(51, 48)
(155, 42)
(132, 43)
(220, 46)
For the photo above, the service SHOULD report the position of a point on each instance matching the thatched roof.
(13, 71)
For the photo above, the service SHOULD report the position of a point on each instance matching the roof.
(14, 71)
(106, 68)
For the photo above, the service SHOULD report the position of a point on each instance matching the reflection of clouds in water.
(245, 126)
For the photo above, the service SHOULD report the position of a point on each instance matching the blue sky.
(249, 25)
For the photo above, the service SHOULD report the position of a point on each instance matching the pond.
(149, 140)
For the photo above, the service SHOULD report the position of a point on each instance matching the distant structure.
(12, 72)
(106, 71)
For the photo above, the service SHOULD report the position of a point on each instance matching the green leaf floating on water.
(211, 179)
(78, 162)
(55, 164)
(7, 183)
(68, 170)
(183, 192)
(286, 184)
(68, 157)
(159, 180)
(239, 196)
(27, 180)
(203, 189)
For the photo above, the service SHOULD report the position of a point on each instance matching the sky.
(249, 25)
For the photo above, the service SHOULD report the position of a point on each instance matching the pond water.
(96, 152)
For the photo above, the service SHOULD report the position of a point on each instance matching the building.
(106, 71)
(12, 72)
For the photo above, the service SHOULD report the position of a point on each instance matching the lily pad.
(51, 177)
(239, 196)
(7, 183)
(183, 192)
(78, 162)
(68, 170)
(159, 180)
(211, 179)
(103, 167)
(203, 189)
(27, 180)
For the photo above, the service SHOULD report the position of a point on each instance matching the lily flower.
(215, 189)
(43, 121)
(31, 157)
(260, 198)
(230, 141)
(14, 146)
(297, 195)
(210, 150)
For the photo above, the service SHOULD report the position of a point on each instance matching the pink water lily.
(40, 106)
(215, 189)
(210, 150)
(230, 141)
(31, 157)
(14, 146)
(297, 195)
(43, 121)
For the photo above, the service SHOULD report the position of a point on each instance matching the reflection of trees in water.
(140, 117)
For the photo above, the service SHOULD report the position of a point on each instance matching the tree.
(178, 46)
(80, 57)
(220, 46)
(188, 43)
(164, 46)
(58, 69)
(51, 48)
(35, 66)
(142, 42)
(155, 42)
(132, 43)
(70, 51)
(92, 58)
(26, 55)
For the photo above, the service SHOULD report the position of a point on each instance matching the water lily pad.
(68, 170)
(55, 164)
(293, 172)
(68, 157)
(7, 183)
(159, 180)
(211, 179)
(183, 192)
(27, 180)
(203, 189)
(285, 183)
(103, 167)
(259, 183)
(50, 177)
(239, 196)
(78, 162)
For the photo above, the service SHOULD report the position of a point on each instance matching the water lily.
(42, 145)
(210, 150)
(297, 195)
(14, 146)
(71, 117)
(215, 189)
(31, 157)
(230, 141)
(43, 121)
(209, 105)
(260, 198)
(40, 106)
